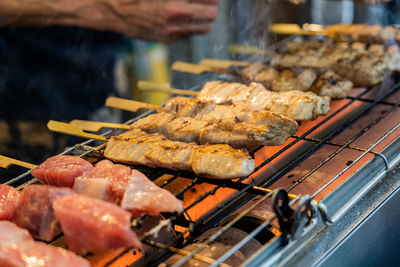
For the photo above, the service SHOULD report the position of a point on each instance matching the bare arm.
(158, 20)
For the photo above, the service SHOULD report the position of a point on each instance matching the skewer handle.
(287, 28)
(196, 69)
(62, 127)
(6, 162)
(95, 126)
(250, 50)
(222, 63)
(163, 87)
(129, 105)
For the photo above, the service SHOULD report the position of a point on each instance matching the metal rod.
(183, 252)
(219, 232)
(356, 160)
(331, 156)
(250, 236)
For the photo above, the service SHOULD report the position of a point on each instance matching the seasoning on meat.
(155, 150)
(91, 225)
(228, 130)
(61, 170)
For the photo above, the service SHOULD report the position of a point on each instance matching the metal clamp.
(302, 216)
(323, 210)
(284, 213)
(293, 222)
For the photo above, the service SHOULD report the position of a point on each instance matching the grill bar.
(245, 191)
(344, 146)
(358, 159)
(341, 149)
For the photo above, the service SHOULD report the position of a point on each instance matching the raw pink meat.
(142, 196)
(35, 212)
(91, 225)
(17, 248)
(9, 200)
(115, 179)
(61, 170)
(12, 234)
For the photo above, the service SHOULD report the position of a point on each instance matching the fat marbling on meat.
(35, 211)
(61, 170)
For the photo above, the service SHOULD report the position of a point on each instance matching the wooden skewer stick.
(163, 87)
(66, 128)
(307, 29)
(6, 162)
(95, 126)
(128, 104)
(197, 69)
(250, 50)
(222, 63)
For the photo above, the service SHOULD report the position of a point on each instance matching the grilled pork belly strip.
(229, 131)
(217, 161)
(296, 105)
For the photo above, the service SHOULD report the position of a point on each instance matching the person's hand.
(157, 20)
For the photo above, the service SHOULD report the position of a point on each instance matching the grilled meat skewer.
(302, 79)
(155, 150)
(296, 105)
(363, 65)
(226, 131)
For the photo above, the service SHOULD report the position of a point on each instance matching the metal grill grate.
(245, 188)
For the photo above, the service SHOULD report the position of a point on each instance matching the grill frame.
(247, 191)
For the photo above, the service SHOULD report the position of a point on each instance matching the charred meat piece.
(9, 201)
(331, 84)
(154, 150)
(35, 212)
(227, 163)
(257, 72)
(180, 106)
(241, 135)
(368, 68)
(142, 196)
(61, 170)
(299, 79)
(91, 225)
(17, 248)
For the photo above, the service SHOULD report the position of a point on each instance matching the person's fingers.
(182, 10)
(204, 1)
(187, 28)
